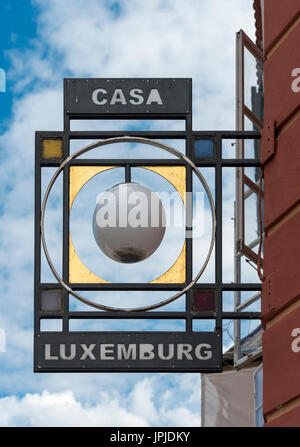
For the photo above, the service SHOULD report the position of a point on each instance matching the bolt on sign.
(88, 317)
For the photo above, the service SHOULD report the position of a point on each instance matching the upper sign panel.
(128, 96)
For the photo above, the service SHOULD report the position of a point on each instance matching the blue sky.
(18, 28)
(41, 43)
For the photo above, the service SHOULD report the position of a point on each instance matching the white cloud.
(149, 38)
(62, 409)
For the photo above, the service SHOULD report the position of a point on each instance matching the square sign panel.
(79, 273)
(128, 96)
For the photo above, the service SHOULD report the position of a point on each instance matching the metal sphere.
(129, 222)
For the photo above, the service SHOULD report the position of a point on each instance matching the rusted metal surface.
(282, 183)
(281, 363)
(281, 102)
(281, 268)
(279, 16)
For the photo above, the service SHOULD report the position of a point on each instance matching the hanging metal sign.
(60, 348)
(128, 96)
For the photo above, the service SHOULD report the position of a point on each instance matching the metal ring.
(127, 139)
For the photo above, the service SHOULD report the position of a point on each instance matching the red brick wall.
(281, 157)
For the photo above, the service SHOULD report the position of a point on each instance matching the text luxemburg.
(131, 351)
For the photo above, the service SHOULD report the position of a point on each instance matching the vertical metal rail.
(37, 238)
(189, 220)
(66, 219)
(238, 191)
(218, 243)
(128, 173)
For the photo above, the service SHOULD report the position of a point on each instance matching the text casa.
(136, 97)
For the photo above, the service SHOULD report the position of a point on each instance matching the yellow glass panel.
(78, 272)
(176, 273)
(80, 175)
(176, 175)
(52, 149)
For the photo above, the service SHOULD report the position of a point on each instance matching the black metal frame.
(216, 162)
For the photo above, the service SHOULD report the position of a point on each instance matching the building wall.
(281, 161)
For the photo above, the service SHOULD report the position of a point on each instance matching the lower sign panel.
(132, 351)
